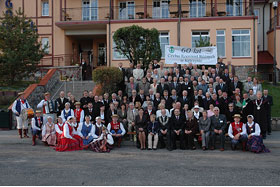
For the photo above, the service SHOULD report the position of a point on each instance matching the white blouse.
(257, 129)
(57, 129)
(79, 130)
(110, 139)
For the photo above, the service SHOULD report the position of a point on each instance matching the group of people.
(161, 106)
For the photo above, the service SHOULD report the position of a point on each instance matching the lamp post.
(275, 6)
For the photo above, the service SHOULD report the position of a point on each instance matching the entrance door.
(102, 59)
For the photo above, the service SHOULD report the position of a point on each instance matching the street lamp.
(275, 6)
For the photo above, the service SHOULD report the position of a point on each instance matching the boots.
(25, 133)
(243, 146)
(119, 142)
(20, 133)
(33, 140)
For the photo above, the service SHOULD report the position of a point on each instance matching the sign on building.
(185, 55)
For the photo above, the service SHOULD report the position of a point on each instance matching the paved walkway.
(23, 164)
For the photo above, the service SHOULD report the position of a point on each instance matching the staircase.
(75, 87)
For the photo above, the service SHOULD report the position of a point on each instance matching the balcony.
(128, 11)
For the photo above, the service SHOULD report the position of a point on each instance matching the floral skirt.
(67, 144)
(96, 146)
(255, 144)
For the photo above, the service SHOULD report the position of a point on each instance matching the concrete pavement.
(23, 164)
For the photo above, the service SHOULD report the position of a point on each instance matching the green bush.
(108, 78)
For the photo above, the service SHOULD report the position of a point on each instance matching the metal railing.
(130, 11)
(272, 20)
(57, 60)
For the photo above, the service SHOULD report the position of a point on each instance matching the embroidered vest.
(41, 122)
(115, 126)
(250, 130)
(236, 128)
(78, 114)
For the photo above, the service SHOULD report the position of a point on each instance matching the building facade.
(76, 29)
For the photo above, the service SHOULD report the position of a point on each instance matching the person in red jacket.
(237, 133)
(116, 129)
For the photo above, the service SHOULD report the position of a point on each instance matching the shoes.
(212, 148)
(193, 148)
(25, 133)
(204, 148)
(20, 133)
(154, 149)
(222, 149)
(149, 149)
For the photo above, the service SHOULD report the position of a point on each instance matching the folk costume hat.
(20, 93)
(115, 116)
(250, 116)
(38, 111)
(77, 103)
(47, 93)
(237, 116)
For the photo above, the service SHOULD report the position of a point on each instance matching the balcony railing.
(130, 11)
(272, 21)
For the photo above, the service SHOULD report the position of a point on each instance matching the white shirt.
(66, 133)
(121, 127)
(158, 113)
(257, 129)
(110, 139)
(33, 124)
(41, 105)
(138, 73)
(45, 128)
(98, 125)
(23, 106)
(196, 115)
(57, 129)
(230, 131)
(63, 114)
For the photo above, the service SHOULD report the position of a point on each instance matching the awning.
(264, 57)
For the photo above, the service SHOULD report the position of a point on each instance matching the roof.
(264, 57)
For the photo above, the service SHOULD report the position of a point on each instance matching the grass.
(274, 91)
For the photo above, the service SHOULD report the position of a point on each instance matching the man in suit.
(269, 100)
(149, 111)
(85, 100)
(247, 107)
(61, 102)
(162, 86)
(132, 112)
(235, 84)
(144, 85)
(90, 112)
(248, 85)
(122, 83)
(149, 78)
(207, 101)
(96, 107)
(187, 85)
(218, 127)
(131, 85)
(224, 102)
(138, 73)
(168, 100)
(129, 71)
(177, 122)
(221, 86)
(185, 99)
(230, 67)
(106, 101)
(175, 85)
(260, 113)
(157, 100)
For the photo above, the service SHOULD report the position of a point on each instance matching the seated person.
(190, 128)
(104, 143)
(177, 122)
(141, 121)
(153, 130)
(69, 141)
(164, 130)
(255, 141)
(116, 129)
(36, 124)
(66, 112)
(204, 129)
(59, 128)
(97, 127)
(237, 133)
(49, 133)
(86, 130)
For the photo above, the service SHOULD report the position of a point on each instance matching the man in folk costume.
(65, 113)
(59, 128)
(49, 107)
(36, 124)
(116, 129)
(237, 133)
(79, 113)
(19, 105)
(260, 113)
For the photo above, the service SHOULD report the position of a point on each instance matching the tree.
(20, 50)
(137, 44)
(203, 42)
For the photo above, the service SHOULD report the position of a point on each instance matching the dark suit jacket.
(160, 89)
(191, 125)
(269, 100)
(177, 88)
(168, 102)
(177, 124)
(61, 104)
(224, 88)
(239, 85)
(188, 101)
(188, 87)
(207, 103)
(219, 123)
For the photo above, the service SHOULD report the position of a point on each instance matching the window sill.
(240, 57)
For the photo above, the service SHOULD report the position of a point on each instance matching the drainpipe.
(263, 26)
(254, 36)
(109, 57)
(179, 24)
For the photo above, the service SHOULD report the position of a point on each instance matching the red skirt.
(67, 144)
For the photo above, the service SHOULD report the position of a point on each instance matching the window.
(45, 8)
(234, 7)
(45, 42)
(221, 43)
(163, 40)
(241, 43)
(160, 9)
(90, 9)
(257, 13)
(116, 54)
(197, 8)
(127, 10)
(196, 36)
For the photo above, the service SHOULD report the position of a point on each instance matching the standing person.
(237, 133)
(65, 113)
(129, 71)
(138, 73)
(247, 107)
(86, 130)
(49, 133)
(177, 123)
(189, 130)
(36, 124)
(69, 141)
(255, 141)
(131, 85)
(141, 127)
(153, 130)
(122, 113)
(61, 102)
(260, 113)
(85, 100)
(204, 129)
(231, 68)
(72, 102)
(49, 106)
(22, 123)
(79, 113)
(84, 69)
(218, 126)
(104, 143)
(116, 129)
(269, 100)
(256, 86)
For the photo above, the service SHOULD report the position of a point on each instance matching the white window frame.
(46, 41)
(164, 36)
(89, 12)
(232, 9)
(223, 35)
(202, 35)
(124, 13)
(242, 41)
(158, 11)
(198, 4)
(45, 12)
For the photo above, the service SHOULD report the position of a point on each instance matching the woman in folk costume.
(116, 129)
(97, 127)
(104, 143)
(255, 141)
(86, 130)
(65, 113)
(59, 128)
(69, 141)
(49, 133)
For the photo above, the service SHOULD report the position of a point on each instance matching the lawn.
(274, 91)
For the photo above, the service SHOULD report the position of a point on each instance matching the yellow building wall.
(271, 41)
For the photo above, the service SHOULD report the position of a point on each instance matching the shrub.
(108, 78)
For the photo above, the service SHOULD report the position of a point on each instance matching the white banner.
(185, 55)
